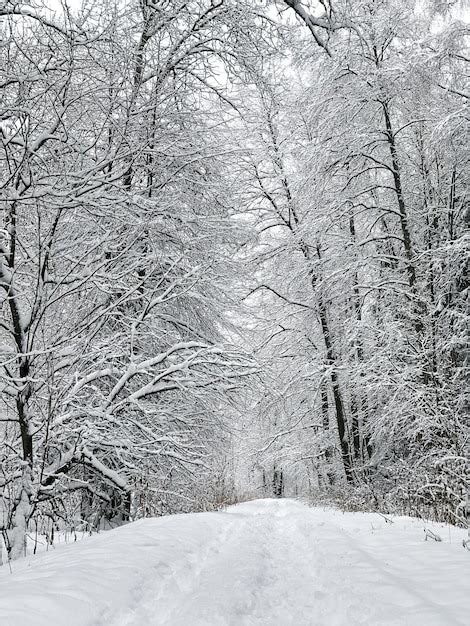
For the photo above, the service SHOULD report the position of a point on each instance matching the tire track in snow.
(168, 581)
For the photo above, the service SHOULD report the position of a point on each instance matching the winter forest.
(233, 258)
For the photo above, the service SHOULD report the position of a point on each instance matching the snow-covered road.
(266, 562)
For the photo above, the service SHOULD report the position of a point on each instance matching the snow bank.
(268, 562)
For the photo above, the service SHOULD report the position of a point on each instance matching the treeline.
(118, 258)
(360, 177)
(232, 258)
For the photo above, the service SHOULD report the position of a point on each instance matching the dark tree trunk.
(278, 482)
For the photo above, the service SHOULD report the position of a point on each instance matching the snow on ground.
(266, 562)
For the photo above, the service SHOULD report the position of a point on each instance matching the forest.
(233, 258)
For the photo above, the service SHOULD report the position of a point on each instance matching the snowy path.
(267, 562)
